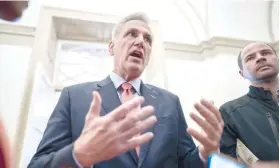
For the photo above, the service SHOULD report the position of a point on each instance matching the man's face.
(259, 62)
(131, 49)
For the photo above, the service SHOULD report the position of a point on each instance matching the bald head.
(244, 50)
(258, 62)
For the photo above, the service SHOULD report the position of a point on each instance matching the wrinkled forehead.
(254, 48)
(137, 25)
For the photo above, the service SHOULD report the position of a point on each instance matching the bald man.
(254, 117)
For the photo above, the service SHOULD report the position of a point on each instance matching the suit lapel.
(109, 96)
(150, 99)
(110, 101)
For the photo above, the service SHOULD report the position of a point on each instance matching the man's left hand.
(212, 127)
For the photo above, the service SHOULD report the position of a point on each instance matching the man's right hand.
(104, 137)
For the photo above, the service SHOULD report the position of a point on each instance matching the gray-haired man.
(121, 132)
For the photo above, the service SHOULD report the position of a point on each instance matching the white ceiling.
(183, 21)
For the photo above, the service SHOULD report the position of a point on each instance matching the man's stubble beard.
(267, 78)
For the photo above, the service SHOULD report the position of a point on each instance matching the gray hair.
(134, 16)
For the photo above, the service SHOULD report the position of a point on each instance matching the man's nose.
(139, 41)
(260, 58)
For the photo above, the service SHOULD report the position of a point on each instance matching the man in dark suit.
(118, 133)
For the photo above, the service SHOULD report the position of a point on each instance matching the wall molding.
(212, 43)
(16, 29)
(13, 34)
(28, 32)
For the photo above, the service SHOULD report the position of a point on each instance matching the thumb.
(94, 110)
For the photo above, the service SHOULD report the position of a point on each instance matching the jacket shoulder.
(161, 91)
(81, 85)
(87, 87)
(235, 104)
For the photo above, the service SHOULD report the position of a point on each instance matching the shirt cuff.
(203, 159)
(76, 161)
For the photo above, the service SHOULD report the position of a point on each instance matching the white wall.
(275, 20)
(183, 21)
(13, 67)
(244, 19)
(44, 99)
(194, 77)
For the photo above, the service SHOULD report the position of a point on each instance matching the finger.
(140, 113)
(123, 109)
(133, 117)
(94, 109)
(210, 105)
(207, 128)
(145, 112)
(138, 141)
(204, 140)
(140, 127)
(207, 114)
(96, 104)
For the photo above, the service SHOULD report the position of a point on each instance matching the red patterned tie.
(127, 95)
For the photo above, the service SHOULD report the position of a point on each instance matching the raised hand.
(212, 127)
(104, 137)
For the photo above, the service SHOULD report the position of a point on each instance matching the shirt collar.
(117, 81)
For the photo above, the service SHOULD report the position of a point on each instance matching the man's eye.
(249, 58)
(133, 34)
(148, 39)
(265, 53)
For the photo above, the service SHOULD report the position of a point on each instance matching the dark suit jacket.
(171, 146)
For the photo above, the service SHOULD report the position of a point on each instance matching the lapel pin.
(153, 97)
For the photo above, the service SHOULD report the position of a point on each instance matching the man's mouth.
(263, 66)
(137, 54)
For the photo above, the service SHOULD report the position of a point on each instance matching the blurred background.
(58, 43)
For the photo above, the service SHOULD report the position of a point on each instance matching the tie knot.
(126, 86)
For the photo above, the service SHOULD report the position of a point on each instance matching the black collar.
(260, 93)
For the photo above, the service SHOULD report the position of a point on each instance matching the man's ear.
(111, 48)
(241, 73)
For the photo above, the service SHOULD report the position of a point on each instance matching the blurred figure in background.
(12, 10)
(5, 151)
(253, 119)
